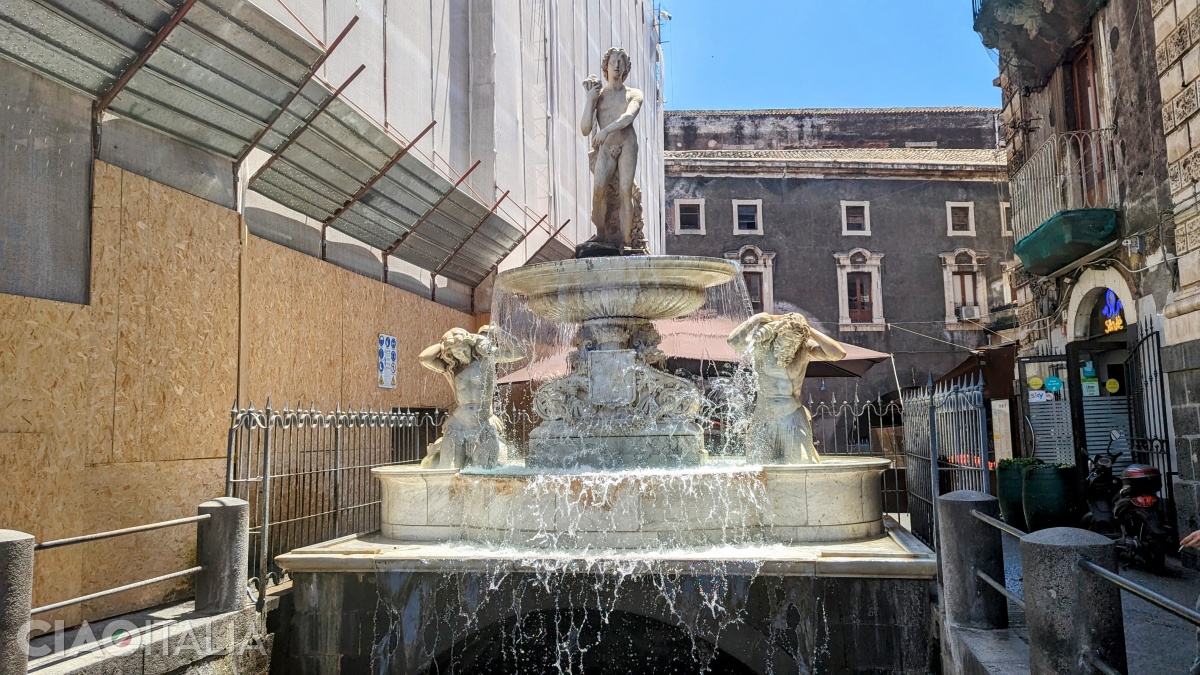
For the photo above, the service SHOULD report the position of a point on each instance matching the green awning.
(1066, 237)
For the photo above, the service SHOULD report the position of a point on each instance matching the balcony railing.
(1073, 170)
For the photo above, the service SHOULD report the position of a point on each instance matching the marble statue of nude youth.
(782, 346)
(608, 116)
(473, 435)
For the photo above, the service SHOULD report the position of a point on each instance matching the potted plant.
(1049, 495)
(1009, 487)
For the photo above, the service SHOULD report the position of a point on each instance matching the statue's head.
(458, 346)
(784, 337)
(619, 59)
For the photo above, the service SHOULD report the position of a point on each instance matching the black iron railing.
(307, 473)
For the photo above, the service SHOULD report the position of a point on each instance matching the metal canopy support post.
(159, 37)
(523, 237)
(307, 122)
(424, 217)
(370, 184)
(552, 237)
(299, 88)
(475, 229)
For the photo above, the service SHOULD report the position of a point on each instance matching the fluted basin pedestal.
(617, 408)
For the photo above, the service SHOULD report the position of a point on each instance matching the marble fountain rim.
(896, 554)
(678, 271)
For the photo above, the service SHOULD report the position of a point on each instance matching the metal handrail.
(1097, 663)
(1001, 588)
(114, 591)
(998, 524)
(99, 536)
(118, 533)
(1162, 602)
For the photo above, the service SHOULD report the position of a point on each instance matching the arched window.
(860, 290)
(965, 289)
(758, 271)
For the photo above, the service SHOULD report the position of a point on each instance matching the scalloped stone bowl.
(639, 287)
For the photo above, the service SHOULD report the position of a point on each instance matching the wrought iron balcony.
(1064, 199)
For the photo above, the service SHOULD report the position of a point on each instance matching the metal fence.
(873, 428)
(307, 473)
(946, 448)
(1073, 170)
(1148, 405)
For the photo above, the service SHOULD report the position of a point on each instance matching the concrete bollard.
(222, 549)
(16, 599)
(1071, 613)
(969, 544)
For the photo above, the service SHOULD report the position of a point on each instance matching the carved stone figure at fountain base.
(617, 409)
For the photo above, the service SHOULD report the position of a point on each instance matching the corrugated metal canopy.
(341, 151)
(217, 81)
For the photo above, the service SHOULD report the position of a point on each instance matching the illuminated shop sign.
(1113, 312)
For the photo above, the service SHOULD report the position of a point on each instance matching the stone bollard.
(969, 544)
(16, 599)
(1071, 613)
(222, 549)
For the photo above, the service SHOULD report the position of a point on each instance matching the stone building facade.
(1098, 115)
(884, 227)
(1177, 58)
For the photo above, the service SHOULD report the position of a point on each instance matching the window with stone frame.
(960, 219)
(860, 290)
(856, 218)
(689, 216)
(747, 216)
(966, 296)
(758, 271)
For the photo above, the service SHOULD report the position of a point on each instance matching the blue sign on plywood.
(387, 361)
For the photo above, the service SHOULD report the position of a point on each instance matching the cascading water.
(613, 534)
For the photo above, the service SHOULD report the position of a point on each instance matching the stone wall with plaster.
(116, 412)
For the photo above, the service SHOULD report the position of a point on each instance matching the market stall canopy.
(705, 340)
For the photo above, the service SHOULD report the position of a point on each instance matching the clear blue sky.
(747, 54)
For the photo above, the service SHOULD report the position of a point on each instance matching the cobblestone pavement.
(1156, 643)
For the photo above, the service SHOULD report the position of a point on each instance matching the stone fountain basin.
(640, 287)
(837, 500)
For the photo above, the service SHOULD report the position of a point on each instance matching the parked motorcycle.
(1127, 509)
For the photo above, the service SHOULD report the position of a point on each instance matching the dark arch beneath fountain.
(625, 643)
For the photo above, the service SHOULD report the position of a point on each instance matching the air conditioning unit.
(968, 312)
